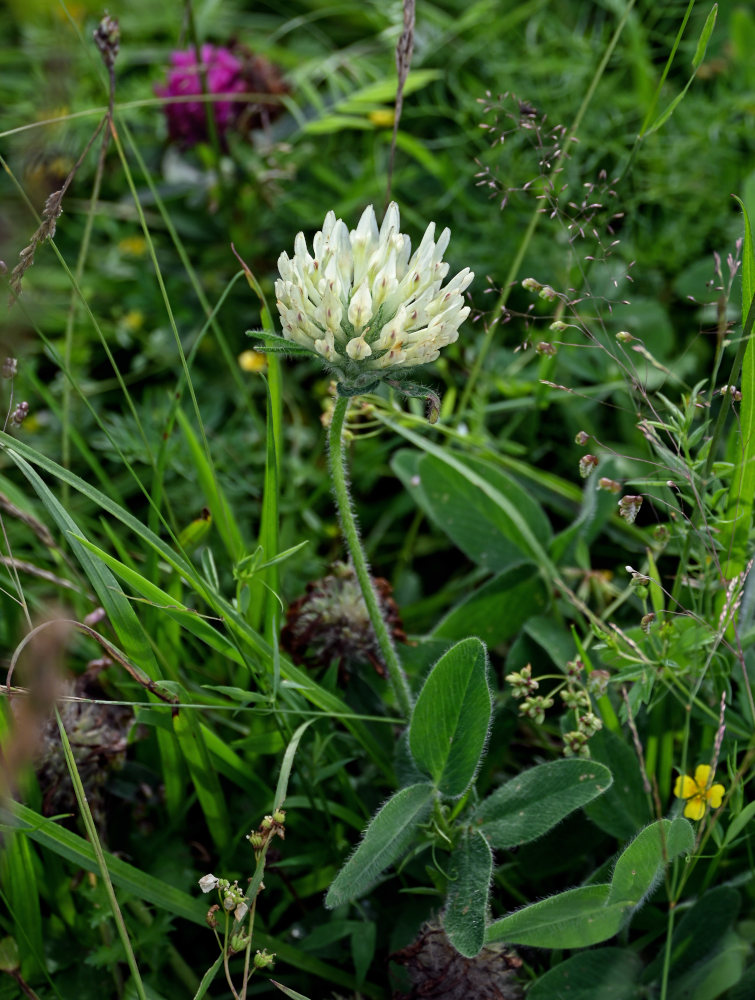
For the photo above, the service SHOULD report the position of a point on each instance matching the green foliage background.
(158, 479)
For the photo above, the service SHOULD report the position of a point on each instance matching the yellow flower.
(133, 320)
(133, 246)
(252, 361)
(699, 792)
(382, 117)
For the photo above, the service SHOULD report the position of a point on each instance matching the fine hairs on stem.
(339, 479)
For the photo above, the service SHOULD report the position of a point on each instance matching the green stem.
(667, 950)
(340, 482)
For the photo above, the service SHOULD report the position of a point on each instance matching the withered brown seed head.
(330, 622)
(438, 972)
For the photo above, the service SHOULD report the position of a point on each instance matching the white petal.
(360, 307)
(367, 229)
(358, 348)
(391, 222)
(207, 883)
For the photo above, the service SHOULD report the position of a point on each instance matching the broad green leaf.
(553, 637)
(602, 974)
(536, 800)
(466, 908)
(590, 914)
(711, 979)
(641, 865)
(451, 717)
(520, 589)
(623, 810)
(485, 512)
(745, 988)
(388, 836)
(576, 918)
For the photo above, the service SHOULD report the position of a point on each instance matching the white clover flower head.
(367, 305)
(208, 882)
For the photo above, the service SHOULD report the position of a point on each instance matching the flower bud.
(586, 464)
(263, 959)
(239, 942)
(604, 483)
(629, 508)
(597, 682)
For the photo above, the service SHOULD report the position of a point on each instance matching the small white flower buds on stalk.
(364, 303)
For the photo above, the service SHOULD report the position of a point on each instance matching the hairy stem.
(340, 482)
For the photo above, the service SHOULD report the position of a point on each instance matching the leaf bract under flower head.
(365, 303)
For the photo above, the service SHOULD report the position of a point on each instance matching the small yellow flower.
(382, 117)
(133, 320)
(133, 246)
(252, 361)
(699, 792)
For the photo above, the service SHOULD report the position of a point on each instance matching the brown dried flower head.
(330, 622)
(438, 972)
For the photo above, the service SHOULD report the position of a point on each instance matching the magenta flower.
(187, 121)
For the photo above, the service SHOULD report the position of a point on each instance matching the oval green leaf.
(641, 865)
(389, 834)
(450, 720)
(467, 900)
(536, 800)
(576, 918)
(608, 973)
